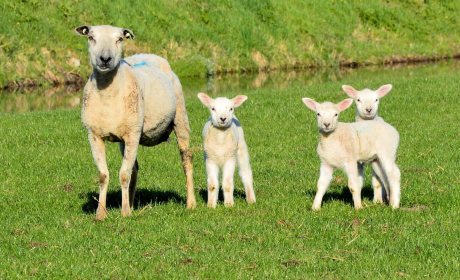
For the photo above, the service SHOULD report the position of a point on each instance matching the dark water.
(60, 98)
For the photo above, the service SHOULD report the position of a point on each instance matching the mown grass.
(48, 179)
(206, 37)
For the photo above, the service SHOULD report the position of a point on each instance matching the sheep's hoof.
(126, 211)
(251, 200)
(191, 204)
(228, 204)
(100, 214)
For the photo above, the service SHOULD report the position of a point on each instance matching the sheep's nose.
(105, 59)
(326, 125)
(223, 119)
(369, 110)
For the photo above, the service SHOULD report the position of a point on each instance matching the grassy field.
(48, 180)
(38, 45)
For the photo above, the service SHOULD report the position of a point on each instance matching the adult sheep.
(134, 101)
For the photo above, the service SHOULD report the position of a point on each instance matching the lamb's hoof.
(251, 200)
(357, 207)
(100, 214)
(378, 201)
(228, 204)
(212, 205)
(126, 211)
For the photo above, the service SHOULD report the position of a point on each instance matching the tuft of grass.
(202, 38)
(48, 180)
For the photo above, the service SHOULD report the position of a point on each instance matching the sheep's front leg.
(129, 159)
(354, 183)
(213, 182)
(133, 180)
(325, 177)
(98, 151)
(227, 181)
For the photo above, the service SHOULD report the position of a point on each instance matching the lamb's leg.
(227, 181)
(360, 181)
(325, 177)
(98, 151)
(394, 179)
(133, 181)
(126, 170)
(383, 180)
(182, 131)
(212, 171)
(245, 171)
(353, 183)
(377, 183)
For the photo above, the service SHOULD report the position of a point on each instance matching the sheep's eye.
(336, 115)
(90, 38)
(120, 39)
(376, 100)
(213, 109)
(359, 100)
(318, 114)
(231, 109)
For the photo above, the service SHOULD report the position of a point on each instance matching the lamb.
(345, 145)
(224, 145)
(134, 101)
(367, 103)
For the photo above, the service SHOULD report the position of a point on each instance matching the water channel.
(45, 99)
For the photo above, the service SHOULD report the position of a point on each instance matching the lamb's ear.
(350, 91)
(383, 90)
(312, 104)
(128, 34)
(345, 104)
(83, 30)
(238, 100)
(205, 99)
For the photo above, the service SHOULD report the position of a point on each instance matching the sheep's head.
(367, 101)
(221, 108)
(105, 44)
(327, 113)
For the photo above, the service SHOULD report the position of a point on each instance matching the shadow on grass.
(236, 194)
(143, 197)
(341, 193)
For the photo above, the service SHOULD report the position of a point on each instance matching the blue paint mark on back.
(143, 63)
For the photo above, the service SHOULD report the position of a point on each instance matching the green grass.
(48, 179)
(201, 38)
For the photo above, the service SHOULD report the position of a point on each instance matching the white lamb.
(224, 146)
(345, 145)
(367, 104)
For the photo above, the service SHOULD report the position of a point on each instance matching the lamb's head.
(367, 101)
(327, 113)
(105, 44)
(221, 108)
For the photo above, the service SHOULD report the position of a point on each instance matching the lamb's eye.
(213, 109)
(336, 115)
(231, 109)
(359, 100)
(318, 114)
(376, 100)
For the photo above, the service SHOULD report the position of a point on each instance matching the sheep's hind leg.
(394, 180)
(354, 184)
(98, 151)
(245, 171)
(126, 170)
(213, 183)
(182, 131)
(133, 181)
(227, 182)
(325, 177)
(378, 184)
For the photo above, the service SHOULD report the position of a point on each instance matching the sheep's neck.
(358, 118)
(103, 81)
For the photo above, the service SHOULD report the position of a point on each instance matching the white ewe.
(344, 145)
(367, 104)
(224, 146)
(133, 101)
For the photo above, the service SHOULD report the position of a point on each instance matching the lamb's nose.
(105, 59)
(369, 110)
(223, 119)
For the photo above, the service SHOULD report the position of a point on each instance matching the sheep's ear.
(205, 99)
(128, 34)
(383, 90)
(312, 104)
(350, 91)
(238, 100)
(344, 104)
(83, 30)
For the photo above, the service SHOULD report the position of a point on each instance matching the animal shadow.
(142, 198)
(236, 194)
(343, 194)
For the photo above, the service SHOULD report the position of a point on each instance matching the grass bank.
(48, 180)
(38, 45)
